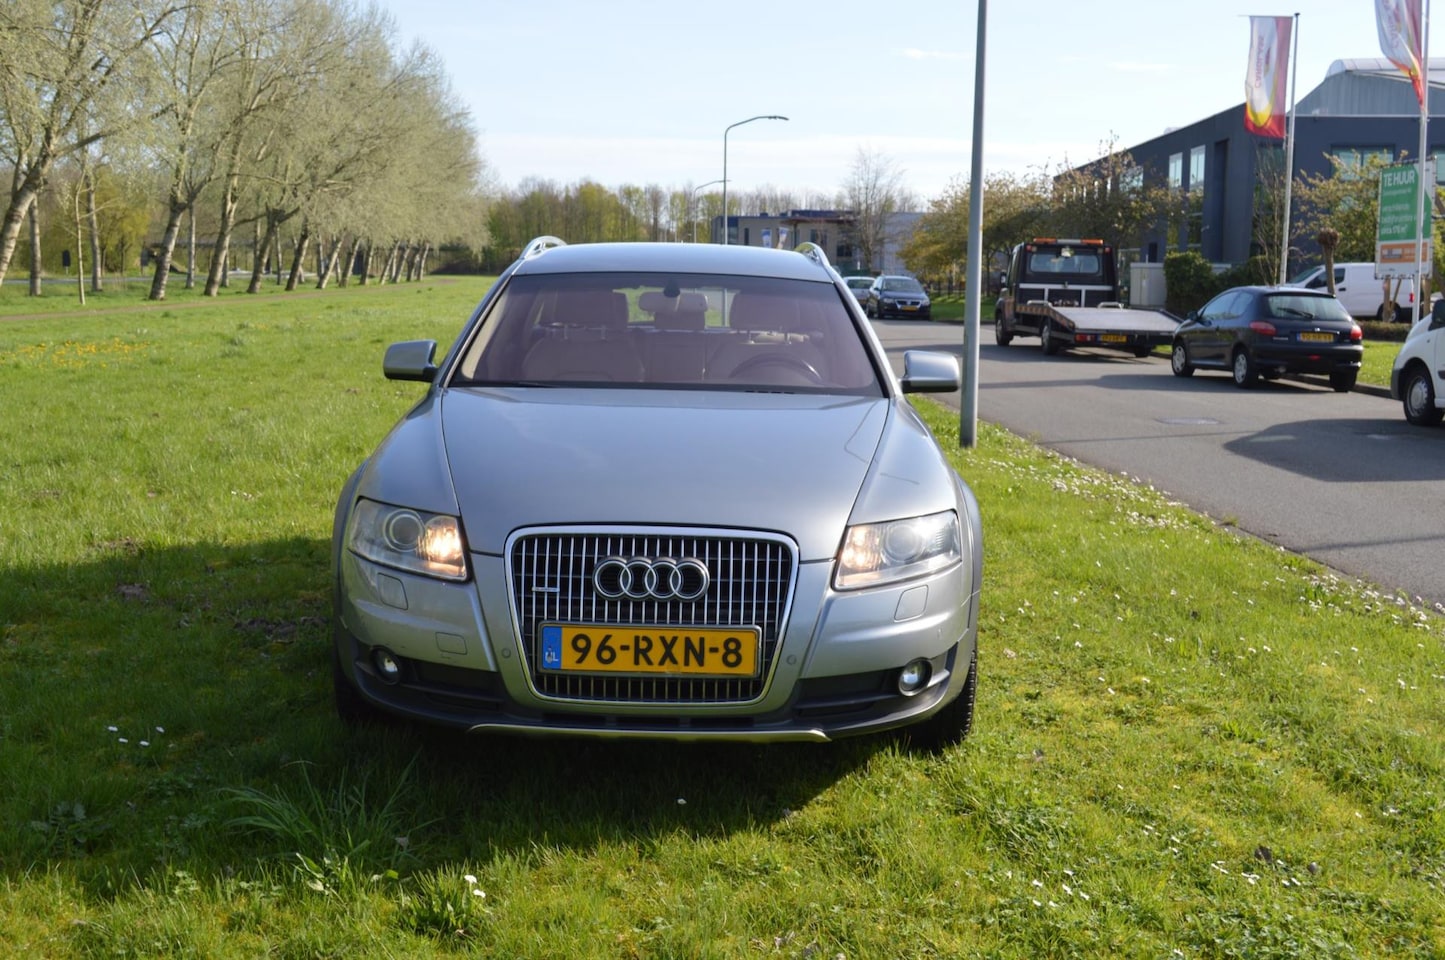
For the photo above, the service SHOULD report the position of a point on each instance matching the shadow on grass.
(150, 687)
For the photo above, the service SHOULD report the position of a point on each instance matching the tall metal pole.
(1289, 153)
(766, 116)
(1423, 207)
(692, 205)
(973, 270)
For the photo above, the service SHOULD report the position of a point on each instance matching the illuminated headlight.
(874, 553)
(427, 543)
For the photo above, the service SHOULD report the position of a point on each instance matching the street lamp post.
(767, 116)
(692, 206)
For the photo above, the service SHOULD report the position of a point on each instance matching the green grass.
(1187, 742)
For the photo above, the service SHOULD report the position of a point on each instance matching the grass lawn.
(1188, 743)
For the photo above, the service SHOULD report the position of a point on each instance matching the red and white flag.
(1265, 81)
(1399, 24)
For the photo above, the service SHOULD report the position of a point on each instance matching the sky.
(641, 92)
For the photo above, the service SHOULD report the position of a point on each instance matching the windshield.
(675, 330)
(902, 285)
(1065, 263)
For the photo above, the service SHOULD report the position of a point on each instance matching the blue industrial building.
(1363, 108)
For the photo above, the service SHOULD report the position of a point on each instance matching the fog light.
(914, 677)
(387, 666)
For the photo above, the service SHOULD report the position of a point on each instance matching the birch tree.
(74, 72)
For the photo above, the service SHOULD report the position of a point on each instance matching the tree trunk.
(35, 283)
(176, 209)
(191, 247)
(298, 260)
(258, 269)
(97, 264)
(350, 262)
(221, 249)
(27, 188)
(79, 241)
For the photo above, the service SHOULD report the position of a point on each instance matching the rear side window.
(670, 330)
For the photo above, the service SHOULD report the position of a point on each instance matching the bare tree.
(873, 192)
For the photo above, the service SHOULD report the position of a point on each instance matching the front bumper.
(835, 673)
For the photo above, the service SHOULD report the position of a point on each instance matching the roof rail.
(541, 244)
(813, 252)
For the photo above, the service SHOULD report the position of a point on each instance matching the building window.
(1196, 168)
(1350, 162)
(1176, 171)
(1131, 180)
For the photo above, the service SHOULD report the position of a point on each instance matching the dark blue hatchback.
(1267, 332)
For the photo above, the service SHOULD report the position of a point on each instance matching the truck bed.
(1136, 331)
(1118, 320)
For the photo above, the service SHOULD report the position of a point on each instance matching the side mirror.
(410, 360)
(930, 371)
(1437, 314)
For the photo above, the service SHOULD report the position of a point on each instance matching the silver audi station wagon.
(666, 491)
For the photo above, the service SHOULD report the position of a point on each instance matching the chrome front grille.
(751, 583)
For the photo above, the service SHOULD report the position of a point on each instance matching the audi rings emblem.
(641, 578)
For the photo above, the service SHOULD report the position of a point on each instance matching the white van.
(1359, 292)
(1418, 377)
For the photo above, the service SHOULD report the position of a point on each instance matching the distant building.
(830, 229)
(1363, 108)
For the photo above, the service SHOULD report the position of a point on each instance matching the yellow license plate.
(650, 650)
(1312, 337)
(1114, 338)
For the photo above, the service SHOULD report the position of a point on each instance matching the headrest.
(589, 308)
(686, 311)
(764, 311)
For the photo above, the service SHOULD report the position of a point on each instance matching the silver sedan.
(665, 491)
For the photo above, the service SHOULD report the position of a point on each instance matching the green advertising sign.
(1397, 230)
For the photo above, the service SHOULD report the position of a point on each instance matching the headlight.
(428, 543)
(874, 553)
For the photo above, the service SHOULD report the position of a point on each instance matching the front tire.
(1047, 342)
(1179, 360)
(352, 708)
(1001, 334)
(1246, 374)
(1417, 394)
(954, 722)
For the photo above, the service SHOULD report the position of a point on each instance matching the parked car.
(1418, 376)
(858, 286)
(661, 490)
(898, 296)
(1360, 292)
(1267, 332)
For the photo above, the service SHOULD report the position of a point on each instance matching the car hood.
(791, 463)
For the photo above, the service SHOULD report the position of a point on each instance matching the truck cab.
(1061, 273)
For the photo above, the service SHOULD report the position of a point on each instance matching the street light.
(692, 207)
(768, 116)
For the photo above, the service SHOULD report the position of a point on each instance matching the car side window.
(1218, 308)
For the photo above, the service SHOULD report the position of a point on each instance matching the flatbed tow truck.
(1066, 293)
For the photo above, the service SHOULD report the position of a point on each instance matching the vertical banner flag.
(1264, 82)
(1398, 22)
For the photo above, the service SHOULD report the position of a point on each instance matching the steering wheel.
(782, 362)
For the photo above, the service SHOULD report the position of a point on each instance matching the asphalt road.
(1341, 478)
